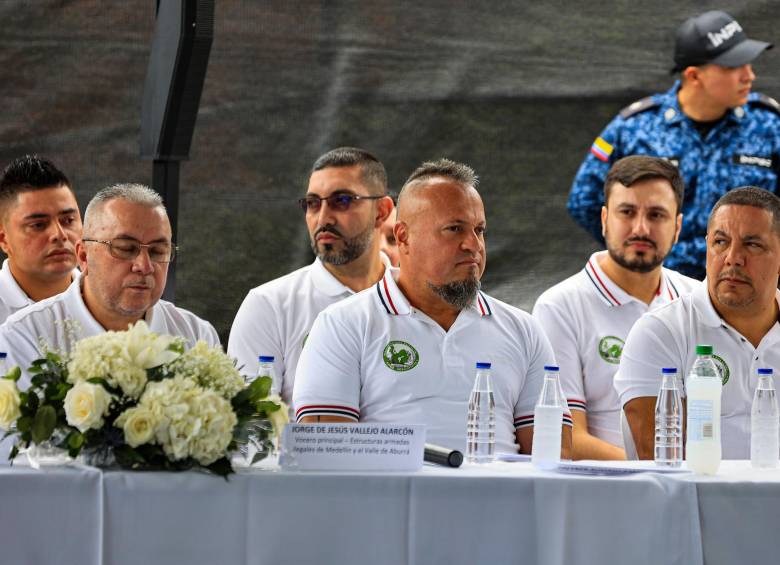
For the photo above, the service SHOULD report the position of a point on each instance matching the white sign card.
(336, 446)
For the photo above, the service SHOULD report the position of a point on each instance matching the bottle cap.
(765, 371)
(551, 368)
(266, 359)
(3, 354)
(669, 370)
(481, 365)
(703, 350)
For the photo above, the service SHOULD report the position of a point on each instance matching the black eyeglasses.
(338, 202)
(128, 249)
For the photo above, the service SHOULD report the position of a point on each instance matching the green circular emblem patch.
(723, 367)
(610, 348)
(400, 356)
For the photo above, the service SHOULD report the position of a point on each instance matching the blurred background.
(518, 90)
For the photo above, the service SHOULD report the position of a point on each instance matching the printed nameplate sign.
(352, 447)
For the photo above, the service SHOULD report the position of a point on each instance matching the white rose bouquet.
(141, 399)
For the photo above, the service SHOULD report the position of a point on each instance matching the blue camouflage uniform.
(742, 149)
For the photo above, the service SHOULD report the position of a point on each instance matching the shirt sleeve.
(559, 330)
(255, 332)
(650, 346)
(21, 351)
(327, 380)
(540, 353)
(587, 191)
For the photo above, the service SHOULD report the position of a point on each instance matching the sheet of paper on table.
(606, 468)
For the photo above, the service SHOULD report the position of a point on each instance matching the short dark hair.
(373, 171)
(29, 173)
(636, 168)
(750, 196)
(447, 168)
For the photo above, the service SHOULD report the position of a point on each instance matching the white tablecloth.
(503, 513)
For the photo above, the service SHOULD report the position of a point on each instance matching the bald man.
(405, 350)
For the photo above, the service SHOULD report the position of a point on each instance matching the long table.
(501, 513)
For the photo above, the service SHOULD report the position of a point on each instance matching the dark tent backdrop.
(516, 89)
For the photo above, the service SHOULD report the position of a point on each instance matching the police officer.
(709, 124)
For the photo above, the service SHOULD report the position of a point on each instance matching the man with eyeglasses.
(124, 259)
(345, 206)
(39, 227)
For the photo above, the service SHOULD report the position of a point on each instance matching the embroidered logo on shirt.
(400, 356)
(610, 349)
(723, 368)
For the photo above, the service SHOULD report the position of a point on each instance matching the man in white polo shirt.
(405, 350)
(345, 205)
(124, 258)
(588, 316)
(736, 312)
(39, 227)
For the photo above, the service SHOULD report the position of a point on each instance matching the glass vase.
(47, 453)
(255, 445)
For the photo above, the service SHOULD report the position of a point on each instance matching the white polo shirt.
(374, 358)
(276, 317)
(587, 318)
(12, 297)
(667, 337)
(45, 321)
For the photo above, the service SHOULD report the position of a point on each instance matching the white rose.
(9, 403)
(147, 349)
(138, 424)
(85, 406)
(130, 379)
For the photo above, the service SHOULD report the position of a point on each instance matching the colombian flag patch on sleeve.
(601, 149)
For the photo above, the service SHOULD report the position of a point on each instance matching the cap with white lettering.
(714, 37)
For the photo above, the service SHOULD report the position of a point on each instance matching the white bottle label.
(700, 426)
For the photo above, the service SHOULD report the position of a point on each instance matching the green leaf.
(43, 424)
(24, 424)
(75, 440)
(266, 406)
(221, 467)
(13, 454)
(259, 388)
(32, 403)
(14, 374)
(259, 456)
(61, 391)
(53, 358)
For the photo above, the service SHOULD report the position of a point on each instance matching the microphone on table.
(442, 455)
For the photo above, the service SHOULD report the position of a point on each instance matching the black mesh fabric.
(518, 90)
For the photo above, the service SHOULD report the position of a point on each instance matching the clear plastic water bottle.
(668, 421)
(548, 422)
(481, 425)
(764, 423)
(703, 446)
(265, 368)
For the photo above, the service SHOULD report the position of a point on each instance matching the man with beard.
(588, 316)
(345, 206)
(709, 124)
(39, 227)
(735, 311)
(124, 257)
(405, 350)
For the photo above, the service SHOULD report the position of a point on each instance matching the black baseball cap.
(714, 37)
